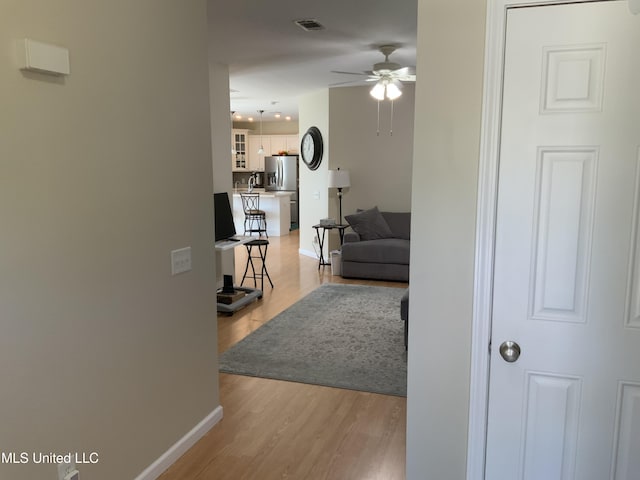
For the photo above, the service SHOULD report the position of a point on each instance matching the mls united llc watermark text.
(49, 457)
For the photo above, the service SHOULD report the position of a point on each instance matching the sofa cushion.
(399, 223)
(350, 237)
(385, 250)
(369, 224)
(392, 272)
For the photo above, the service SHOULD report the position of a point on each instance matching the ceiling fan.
(387, 75)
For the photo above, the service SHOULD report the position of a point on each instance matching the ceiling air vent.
(309, 25)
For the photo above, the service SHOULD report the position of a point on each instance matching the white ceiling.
(272, 61)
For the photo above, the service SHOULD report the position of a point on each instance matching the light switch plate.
(64, 469)
(73, 475)
(180, 260)
(43, 57)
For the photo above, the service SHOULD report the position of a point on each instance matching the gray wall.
(102, 174)
(379, 165)
(447, 132)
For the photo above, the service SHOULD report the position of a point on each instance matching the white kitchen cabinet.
(272, 144)
(287, 143)
(278, 144)
(255, 159)
(239, 161)
(293, 144)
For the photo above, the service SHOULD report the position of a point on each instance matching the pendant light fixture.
(261, 149)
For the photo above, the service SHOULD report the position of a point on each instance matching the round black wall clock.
(311, 148)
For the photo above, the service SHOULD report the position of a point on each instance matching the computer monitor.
(224, 225)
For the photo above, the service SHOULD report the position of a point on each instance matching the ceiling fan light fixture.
(393, 91)
(377, 91)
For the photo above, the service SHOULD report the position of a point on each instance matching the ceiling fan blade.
(347, 73)
(350, 82)
(401, 72)
(406, 78)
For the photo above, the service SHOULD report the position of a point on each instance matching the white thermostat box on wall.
(43, 57)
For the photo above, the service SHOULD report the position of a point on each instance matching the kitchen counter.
(262, 192)
(246, 190)
(276, 206)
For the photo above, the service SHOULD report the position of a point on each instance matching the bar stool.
(255, 220)
(261, 246)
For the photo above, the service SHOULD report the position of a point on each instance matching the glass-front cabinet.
(239, 149)
(244, 149)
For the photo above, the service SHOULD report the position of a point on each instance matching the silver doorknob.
(510, 351)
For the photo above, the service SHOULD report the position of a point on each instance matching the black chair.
(255, 220)
(260, 256)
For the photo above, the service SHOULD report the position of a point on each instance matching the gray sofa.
(378, 247)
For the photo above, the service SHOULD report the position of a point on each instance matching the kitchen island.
(276, 206)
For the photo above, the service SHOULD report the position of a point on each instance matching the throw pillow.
(369, 224)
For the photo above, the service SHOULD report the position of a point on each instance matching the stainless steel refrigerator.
(281, 174)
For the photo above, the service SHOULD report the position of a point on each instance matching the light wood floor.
(274, 429)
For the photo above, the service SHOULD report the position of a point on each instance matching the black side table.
(324, 229)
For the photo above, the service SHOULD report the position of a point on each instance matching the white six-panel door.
(567, 258)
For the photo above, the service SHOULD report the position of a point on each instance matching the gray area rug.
(345, 336)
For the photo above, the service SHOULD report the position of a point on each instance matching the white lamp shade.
(377, 91)
(393, 91)
(339, 179)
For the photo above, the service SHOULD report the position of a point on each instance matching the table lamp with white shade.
(339, 179)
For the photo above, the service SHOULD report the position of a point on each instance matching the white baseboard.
(169, 457)
(308, 253)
